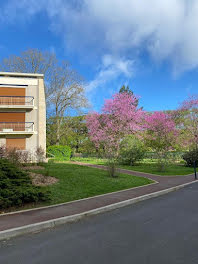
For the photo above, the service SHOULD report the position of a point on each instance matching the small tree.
(160, 134)
(120, 117)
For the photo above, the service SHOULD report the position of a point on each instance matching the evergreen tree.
(126, 89)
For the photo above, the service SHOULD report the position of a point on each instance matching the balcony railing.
(17, 100)
(13, 127)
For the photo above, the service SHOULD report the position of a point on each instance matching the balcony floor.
(16, 107)
(17, 133)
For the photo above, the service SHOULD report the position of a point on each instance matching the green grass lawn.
(77, 182)
(146, 165)
(172, 169)
(95, 161)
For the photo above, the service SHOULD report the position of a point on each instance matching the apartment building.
(22, 111)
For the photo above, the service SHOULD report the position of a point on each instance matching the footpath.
(34, 220)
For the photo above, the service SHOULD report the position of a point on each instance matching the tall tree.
(119, 118)
(66, 91)
(160, 134)
(64, 86)
(126, 89)
(30, 61)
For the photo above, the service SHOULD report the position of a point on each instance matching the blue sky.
(150, 46)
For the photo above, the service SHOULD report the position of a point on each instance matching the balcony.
(16, 102)
(16, 128)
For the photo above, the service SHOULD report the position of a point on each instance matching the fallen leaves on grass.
(42, 180)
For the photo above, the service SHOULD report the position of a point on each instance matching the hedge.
(191, 157)
(60, 152)
(16, 187)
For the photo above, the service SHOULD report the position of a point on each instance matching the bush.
(131, 151)
(40, 154)
(60, 152)
(16, 188)
(14, 155)
(190, 157)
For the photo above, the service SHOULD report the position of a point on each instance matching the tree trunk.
(58, 124)
(77, 146)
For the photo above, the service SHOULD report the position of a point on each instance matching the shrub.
(190, 157)
(16, 188)
(60, 152)
(131, 151)
(14, 155)
(40, 154)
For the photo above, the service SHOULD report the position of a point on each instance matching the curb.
(10, 233)
(74, 201)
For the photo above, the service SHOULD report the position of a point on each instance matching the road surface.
(162, 230)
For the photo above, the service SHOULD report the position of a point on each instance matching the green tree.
(125, 89)
(132, 150)
(73, 132)
(76, 132)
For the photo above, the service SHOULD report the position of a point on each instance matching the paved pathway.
(39, 215)
(155, 231)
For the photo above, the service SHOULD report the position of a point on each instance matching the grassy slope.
(77, 182)
(146, 166)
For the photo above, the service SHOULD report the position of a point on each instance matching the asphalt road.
(162, 230)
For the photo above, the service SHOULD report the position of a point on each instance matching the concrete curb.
(75, 201)
(73, 218)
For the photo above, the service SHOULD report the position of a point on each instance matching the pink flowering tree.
(120, 117)
(160, 135)
(188, 113)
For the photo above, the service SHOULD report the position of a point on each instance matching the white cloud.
(110, 69)
(165, 29)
